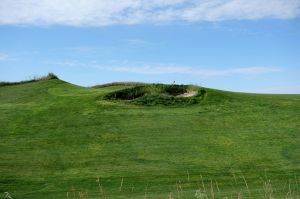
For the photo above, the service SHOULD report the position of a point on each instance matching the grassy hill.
(59, 140)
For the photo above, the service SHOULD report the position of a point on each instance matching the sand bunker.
(189, 93)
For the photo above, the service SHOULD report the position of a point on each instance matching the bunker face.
(189, 93)
(156, 94)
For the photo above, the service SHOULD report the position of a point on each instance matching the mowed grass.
(59, 140)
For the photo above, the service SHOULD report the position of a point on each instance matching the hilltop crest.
(49, 76)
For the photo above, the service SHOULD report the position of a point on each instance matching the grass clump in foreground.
(198, 189)
(159, 94)
(57, 137)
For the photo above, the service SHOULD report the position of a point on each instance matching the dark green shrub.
(155, 99)
(176, 89)
(126, 94)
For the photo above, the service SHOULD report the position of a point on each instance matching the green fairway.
(60, 140)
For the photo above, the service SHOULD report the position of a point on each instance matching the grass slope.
(59, 140)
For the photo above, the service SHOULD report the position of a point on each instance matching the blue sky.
(224, 44)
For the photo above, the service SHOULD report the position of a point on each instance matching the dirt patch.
(189, 93)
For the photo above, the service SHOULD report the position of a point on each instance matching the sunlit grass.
(57, 137)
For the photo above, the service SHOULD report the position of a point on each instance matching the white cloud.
(109, 12)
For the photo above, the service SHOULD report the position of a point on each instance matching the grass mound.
(158, 94)
(59, 140)
(34, 79)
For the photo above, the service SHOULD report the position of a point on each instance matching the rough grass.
(119, 84)
(59, 139)
(199, 189)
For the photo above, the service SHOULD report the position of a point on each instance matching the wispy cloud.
(170, 69)
(194, 71)
(139, 42)
(88, 50)
(278, 90)
(3, 56)
(108, 12)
